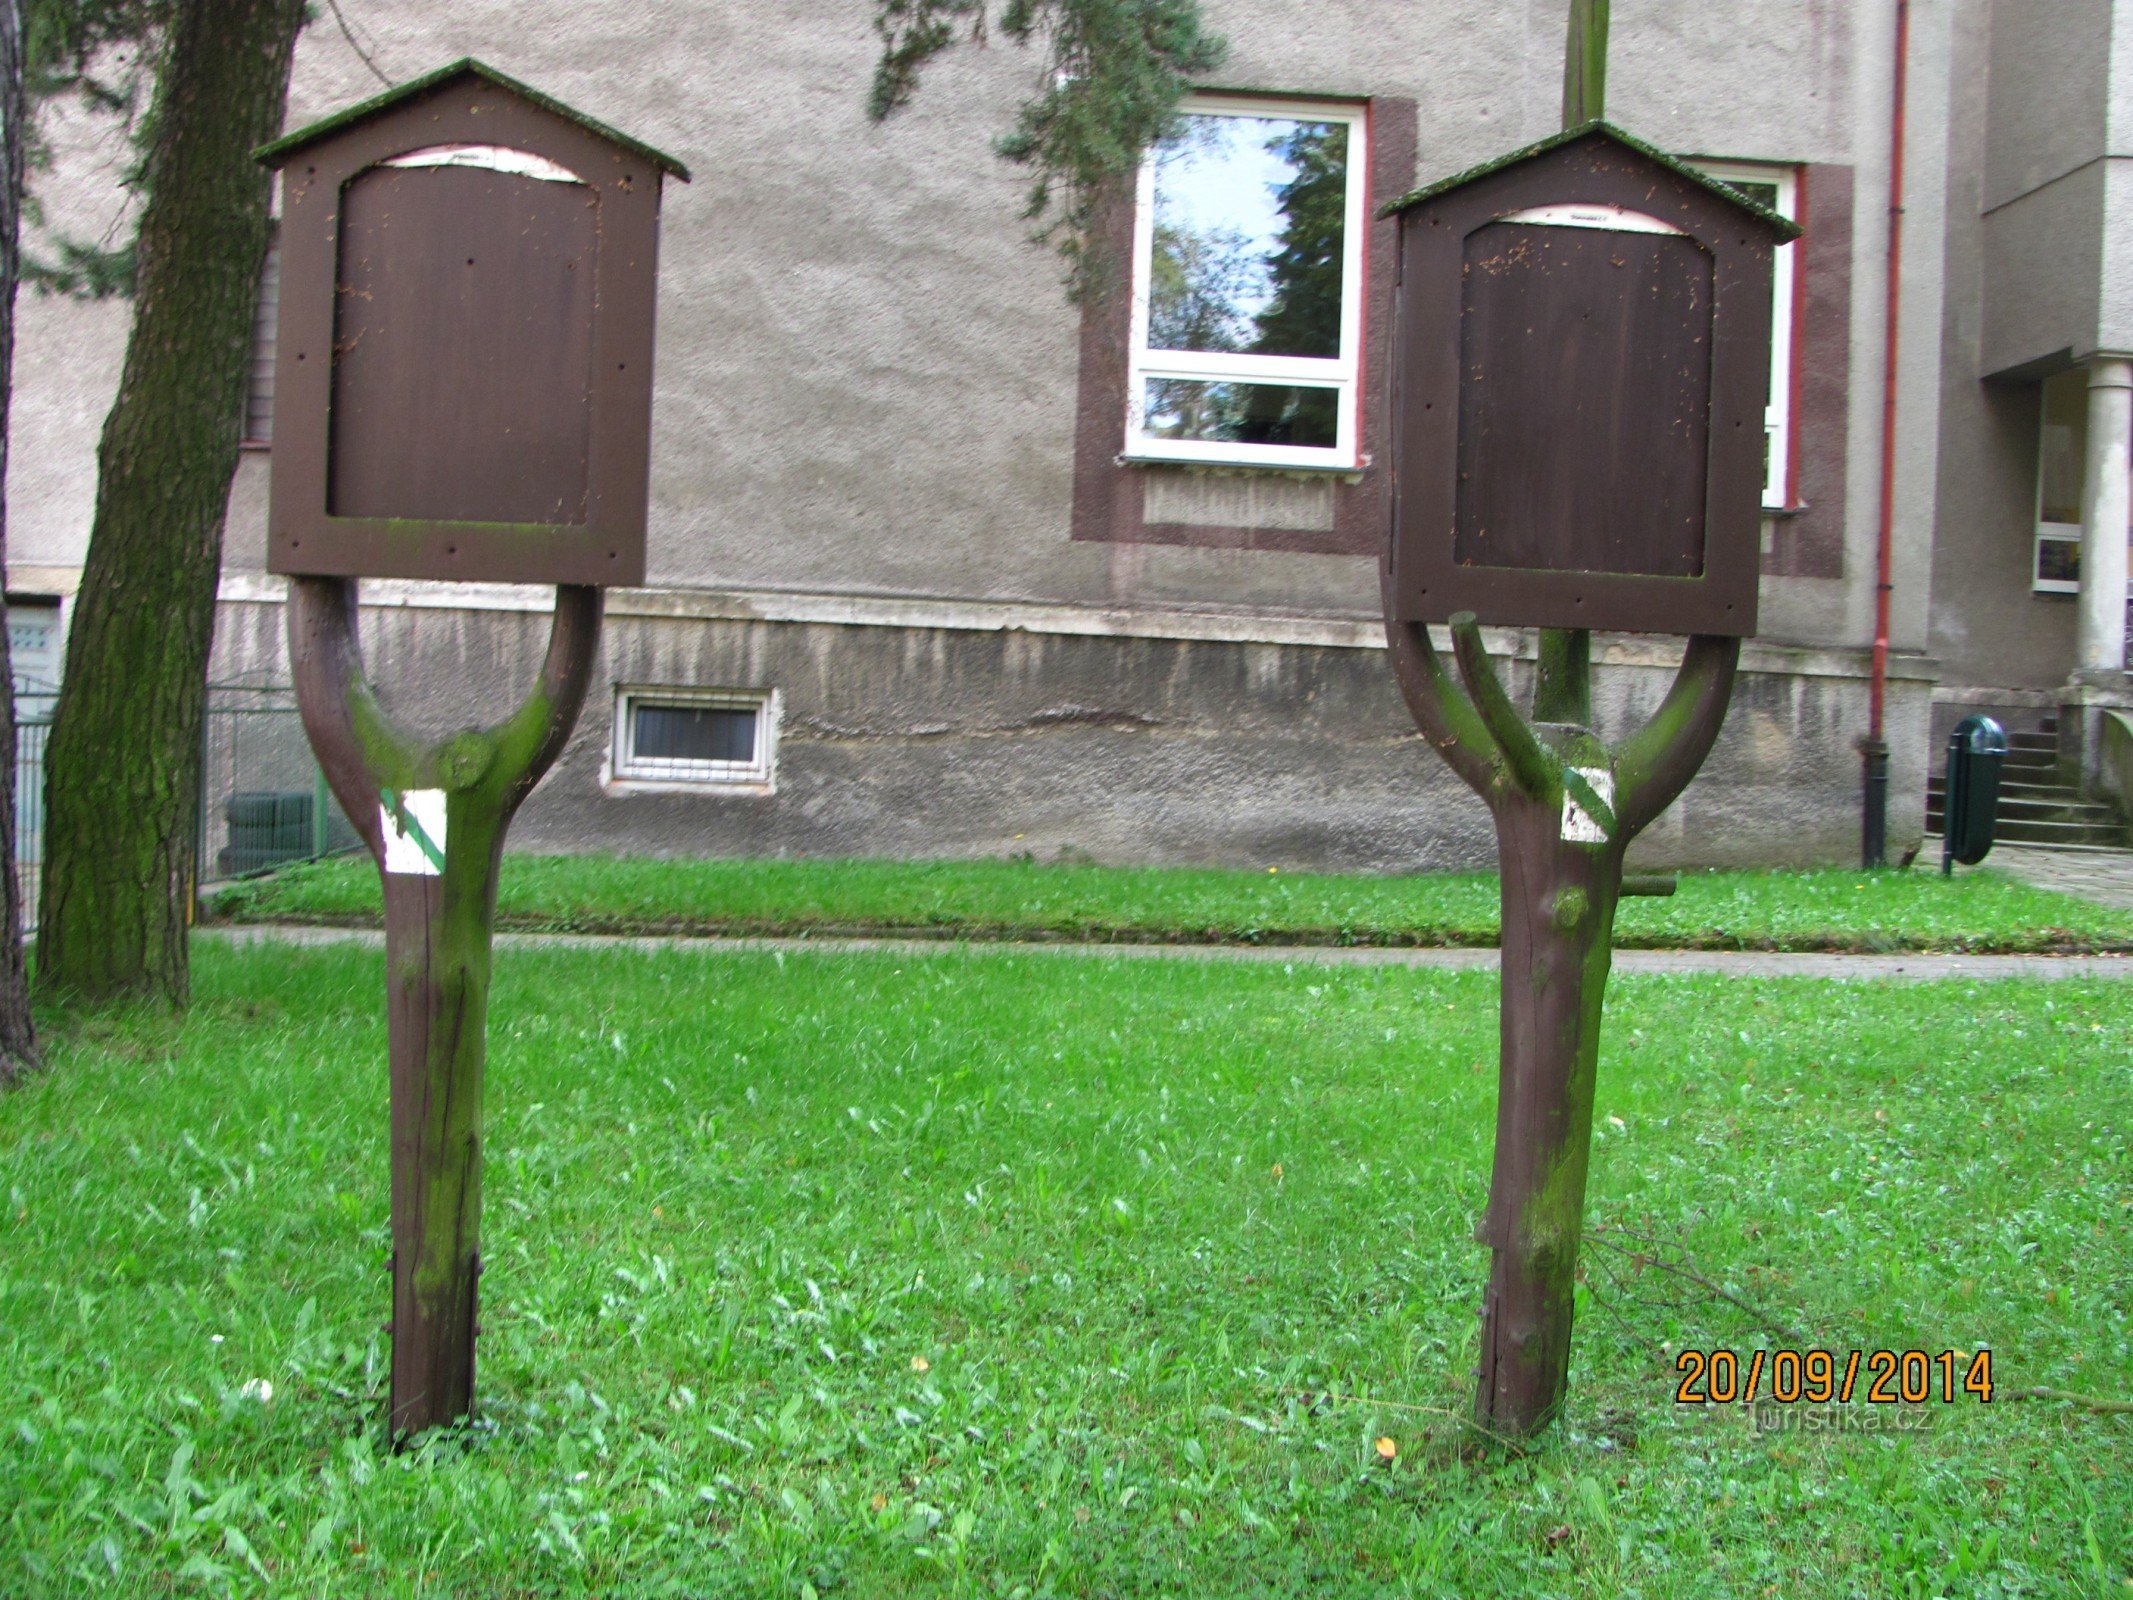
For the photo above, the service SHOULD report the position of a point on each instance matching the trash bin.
(1977, 749)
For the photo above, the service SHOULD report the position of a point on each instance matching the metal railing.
(263, 800)
(34, 700)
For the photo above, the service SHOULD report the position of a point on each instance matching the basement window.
(695, 739)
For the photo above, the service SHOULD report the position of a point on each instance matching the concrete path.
(1738, 963)
(2104, 876)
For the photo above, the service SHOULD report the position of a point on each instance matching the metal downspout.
(1874, 823)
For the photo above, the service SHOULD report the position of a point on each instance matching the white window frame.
(627, 772)
(46, 616)
(1340, 373)
(1777, 414)
(2052, 532)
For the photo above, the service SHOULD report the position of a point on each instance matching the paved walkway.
(2104, 876)
(1738, 963)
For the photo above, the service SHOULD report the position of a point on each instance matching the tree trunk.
(18, 1039)
(123, 766)
(1566, 808)
(437, 934)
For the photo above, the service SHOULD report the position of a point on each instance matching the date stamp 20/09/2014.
(1786, 1377)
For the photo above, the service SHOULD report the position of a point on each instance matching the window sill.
(254, 446)
(712, 788)
(1786, 513)
(1255, 469)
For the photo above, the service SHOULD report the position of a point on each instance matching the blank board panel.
(1585, 401)
(487, 276)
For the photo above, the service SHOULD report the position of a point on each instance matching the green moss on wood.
(278, 152)
(1782, 229)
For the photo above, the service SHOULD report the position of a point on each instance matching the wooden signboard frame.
(1582, 375)
(369, 413)
(1567, 803)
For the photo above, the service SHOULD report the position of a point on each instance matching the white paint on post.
(412, 823)
(489, 157)
(1579, 825)
(2100, 640)
(1609, 219)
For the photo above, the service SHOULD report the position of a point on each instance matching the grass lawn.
(990, 1274)
(1827, 910)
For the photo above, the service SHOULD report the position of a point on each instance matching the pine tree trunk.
(18, 1041)
(123, 766)
(437, 939)
(1562, 879)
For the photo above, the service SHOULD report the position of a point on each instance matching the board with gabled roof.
(1581, 372)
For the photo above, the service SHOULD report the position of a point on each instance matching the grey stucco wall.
(2043, 288)
(972, 742)
(2058, 182)
(2047, 94)
(866, 374)
(1989, 628)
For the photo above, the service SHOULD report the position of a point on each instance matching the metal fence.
(263, 800)
(34, 700)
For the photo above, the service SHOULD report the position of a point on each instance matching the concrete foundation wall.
(968, 741)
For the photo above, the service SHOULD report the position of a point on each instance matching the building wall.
(867, 388)
(2046, 157)
(959, 731)
(866, 374)
(2037, 258)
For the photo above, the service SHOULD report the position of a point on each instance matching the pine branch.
(1116, 73)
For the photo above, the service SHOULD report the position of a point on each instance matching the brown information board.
(463, 371)
(1583, 367)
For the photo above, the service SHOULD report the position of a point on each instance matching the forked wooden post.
(440, 909)
(1560, 840)
(1578, 443)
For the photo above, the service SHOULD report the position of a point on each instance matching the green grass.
(1826, 910)
(987, 1273)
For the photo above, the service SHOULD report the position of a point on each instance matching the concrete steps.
(2035, 807)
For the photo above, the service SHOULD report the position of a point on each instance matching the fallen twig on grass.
(1650, 1252)
(1312, 1396)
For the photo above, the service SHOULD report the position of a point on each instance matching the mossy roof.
(1784, 227)
(280, 150)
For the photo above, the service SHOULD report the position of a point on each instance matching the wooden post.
(1584, 526)
(440, 908)
(1563, 689)
(1566, 809)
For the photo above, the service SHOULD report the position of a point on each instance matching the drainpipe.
(1874, 748)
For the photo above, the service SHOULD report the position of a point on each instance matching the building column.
(2100, 643)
